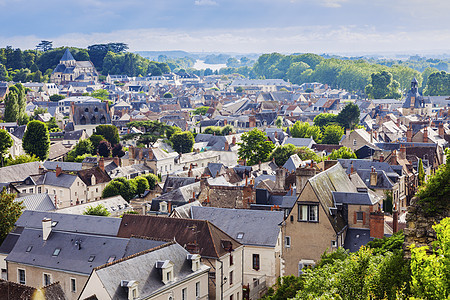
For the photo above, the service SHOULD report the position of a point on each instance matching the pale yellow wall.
(348, 141)
(237, 274)
(267, 263)
(34, 277)
(308, 240)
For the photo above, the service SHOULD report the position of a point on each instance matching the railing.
(258, 288)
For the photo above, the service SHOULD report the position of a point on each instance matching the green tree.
(109, 132)
(304, 130)
(6, 142)
(95, 140)
(152, 180)
(421, 172)
(141, 185)
(324, 119)
(332, 134)
(349, 116)
(282, 153)
(342, 152)
(153, 130)
(22, 159)
(168, 95)
(120, 186)
(104, 149)
(98, 210)
(117, 151)
(279, 122)
(285, 288)
(214, 130)
(438, 84)
(56, 97)
(81, 148)
(100, 94)
(307, 154)
(255, 147)
(200, 111)
(36, 140)
(383, 86)
(15, 103)
(3, 73)
(182, 141)
(226, 130)
(10, 211)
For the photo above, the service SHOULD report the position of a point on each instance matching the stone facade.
(226, 196)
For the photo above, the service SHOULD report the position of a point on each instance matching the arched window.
(102, 120)
(83, 120)
(93, 120)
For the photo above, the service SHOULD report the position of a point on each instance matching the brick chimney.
(394, 158)
(116, 160)
(233, 140)
(409, 134)
(41, 169)
(425, 135)
(101, 164)
(252, 121)
(376, 225)
(280, 178)
(141, 153)
(381, 157)
(395, 220)
(150, 154)
(131, 152)
(441, 130)
(402, 151)
(58, 170)
(301, 176)
(190, 173)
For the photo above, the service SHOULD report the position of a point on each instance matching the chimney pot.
(58, 170)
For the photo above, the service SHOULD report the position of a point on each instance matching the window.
(256, 262)
(304, 264)
(39, 189)
(111, 259)
(231, 277)
(333, 244)
(184, 294)
(308, 212)
(197, 289)
(21, 276)
(354, 142)
(73, 285)
(240, 235)
(359, 216)
(231, 297)
(56, 252)
(288, 242)
(29, 248)
(47, 279)
(31, 191)
(91, 258)
(231, 259)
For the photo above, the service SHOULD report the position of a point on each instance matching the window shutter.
(354, 217)
(364, 218)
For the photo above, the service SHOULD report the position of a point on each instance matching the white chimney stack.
(46, 228)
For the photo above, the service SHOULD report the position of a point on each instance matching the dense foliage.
(255, 147)
(98, 210)
(10, 211)
(342, 152)
(121, 186)
(36, 140)
(182, 142)
(217, 130)
(6, 142)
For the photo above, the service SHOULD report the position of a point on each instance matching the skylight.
(91, 258)
(56, 252)
(111, 259)
(240, 235)
(29, 248)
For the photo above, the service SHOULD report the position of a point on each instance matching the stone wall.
(419, 229)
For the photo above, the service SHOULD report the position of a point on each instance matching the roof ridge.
(134, 255)
(17, 284)
(150, 238)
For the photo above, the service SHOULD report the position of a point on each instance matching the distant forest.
(352, 74)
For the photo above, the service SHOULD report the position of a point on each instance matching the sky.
(241, 26)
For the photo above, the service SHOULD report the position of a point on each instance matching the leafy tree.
(100, 94)
(226, 130)
(285, 288)
(170, 130)
(383, 86)
(3, 73)
(113, 188)
(36, 140)
(342, 152)
(120, 186)
(425, 74)
(141, 185)
(214, 130)
(307, 154)
(52, 125)
(255, 147)
(117, 151)
(153, 130)
(279, 122)
(332, 134)
(56, 97)
(104, 149)
(349, 116)
(294, 72)
(239, 89)
(6, 142)
(95, 140)
(15, 103)
(81, 148)
(200, 111)
(110, 132)
(152, 180)
(44, 46)
(438, 84)
(282, 153)
(99, 210)
(421, 172)
(168, 95)
(325, 119)
(304, 130)
(21, 159)
(182, 141)
(10, 211)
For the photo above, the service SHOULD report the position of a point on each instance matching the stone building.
(69, 70)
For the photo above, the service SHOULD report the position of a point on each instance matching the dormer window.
(166, 267)
(195, 260)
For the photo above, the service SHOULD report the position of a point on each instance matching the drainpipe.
(221, 279)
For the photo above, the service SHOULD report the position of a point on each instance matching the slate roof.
(115, 205)
(63, 180)
(293, 163)
(65, 166)
(173, 182)
(141, 268)
(257, 227)
(39, 202)
(72, 258)
(19, 131)
(208, 237)
(355, 238)
(362, 164)
(19, 172)
(67, 55)
(299, 142)
(71, 223)
(354, 198)
(100, 176)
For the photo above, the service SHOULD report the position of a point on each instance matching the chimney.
(41, 169)
(150, 154)
(227, 146)
(225, 122)
(381, 157)
(116, 160)
(376, 224)
(352, 169)
(280, 179)
(101, 164)
(395, 220)
(169, 206)
(252, 121)
(409, 134)
(46, 228)
(233, 140)
(402, 151)
(425, 135)
(131, 152)
(373, 177)
(190, 173)
(441, 130)
(276, 135)
(394, 158)
(58, 170)
(302, 175)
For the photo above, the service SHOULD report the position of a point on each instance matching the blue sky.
(320, 26)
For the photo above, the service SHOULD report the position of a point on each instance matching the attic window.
(29, 248)
(54, 223)
(91, 258)
(56, 252)
(111, 259)
(240, 235)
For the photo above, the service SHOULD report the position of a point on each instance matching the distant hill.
(170, 54)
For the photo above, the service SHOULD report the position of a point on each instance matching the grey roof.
(362, 164)
(9, 242)
(67, 56)
(72, 258)
(65, 166)
(19, 172)
(142, 268)
(293, 163)
(300, 142)
(63, 180)
(71, 223)
(138, 244)
(353, 198)
(258, 227)
(215, 168)
(173, 182)
(39, 202)
(355, 238)
(19, 131)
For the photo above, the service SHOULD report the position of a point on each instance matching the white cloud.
(205, 2)
(332, 3)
